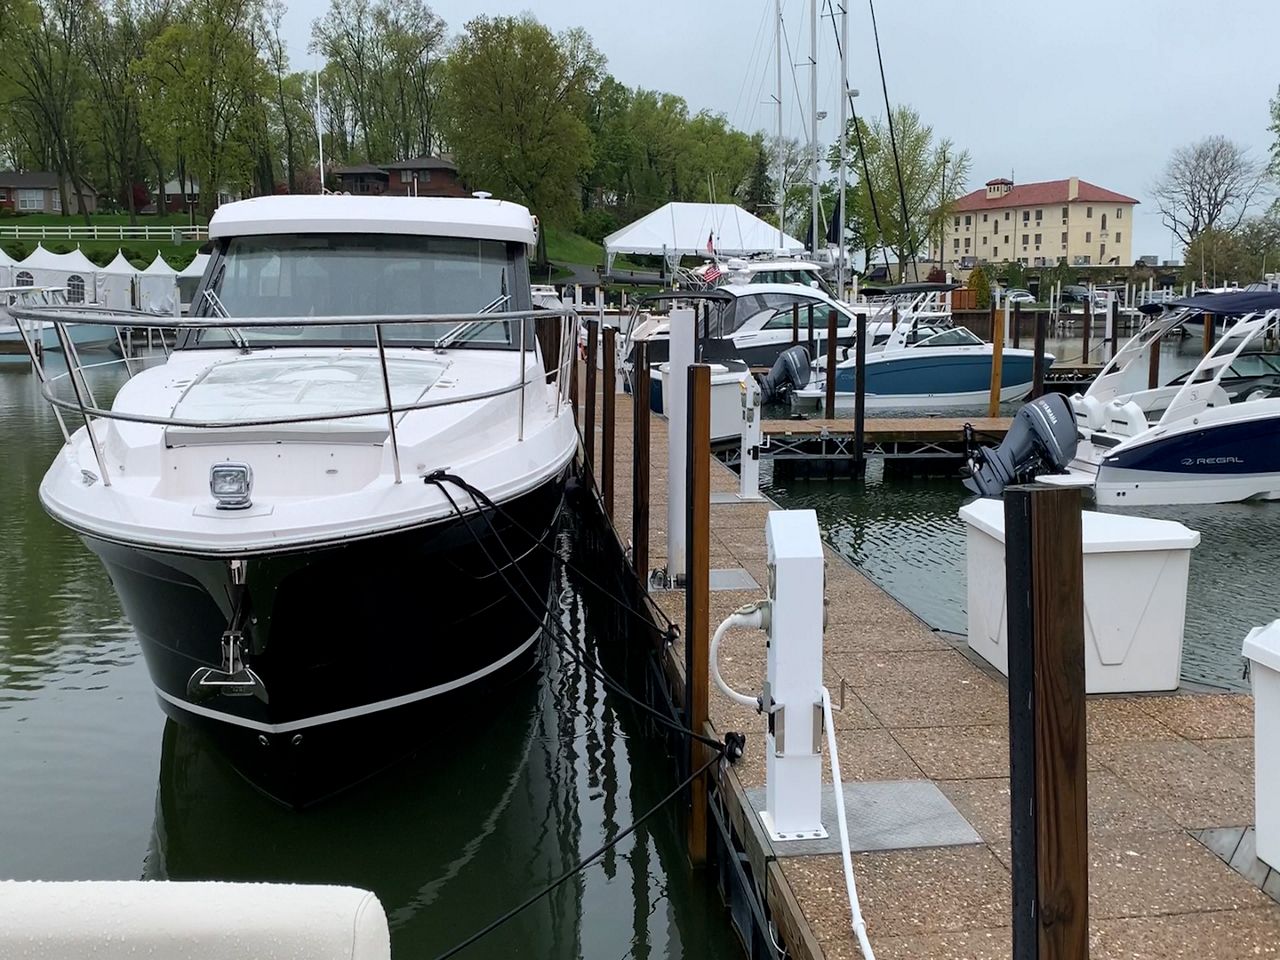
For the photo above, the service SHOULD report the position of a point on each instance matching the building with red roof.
(1039, 224)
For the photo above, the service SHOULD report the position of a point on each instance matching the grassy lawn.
(97, 220)
(565, 246)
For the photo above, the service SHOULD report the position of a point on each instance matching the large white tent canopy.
(689, 229)
(7, 263)
(116, 283)
(158, 287)
(44, 268)
(189, 277)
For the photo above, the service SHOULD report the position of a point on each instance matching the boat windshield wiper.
(219, 310)
(493, 306)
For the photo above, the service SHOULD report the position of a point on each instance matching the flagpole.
(782, 170)
(844, 139)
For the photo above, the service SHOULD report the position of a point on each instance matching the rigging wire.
(478, 496)
(893, 143)
(862, 153)
(750, 69)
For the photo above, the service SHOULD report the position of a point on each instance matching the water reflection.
(500, 800)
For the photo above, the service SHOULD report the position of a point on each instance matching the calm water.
(906, 535)
(96, 784)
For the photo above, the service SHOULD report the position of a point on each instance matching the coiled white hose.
(752, 615)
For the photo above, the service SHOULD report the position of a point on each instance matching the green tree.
(980, 284)
(517, 98)
(204, 85)
(933, 172)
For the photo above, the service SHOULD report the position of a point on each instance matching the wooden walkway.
(889, 429)
(1164, 772)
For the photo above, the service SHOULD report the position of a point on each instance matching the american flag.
(712, 273)
(711, 242)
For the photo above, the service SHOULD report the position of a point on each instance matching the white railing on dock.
(175, 233)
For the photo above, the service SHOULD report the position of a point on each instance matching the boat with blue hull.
(935, 369)
(1208, 436)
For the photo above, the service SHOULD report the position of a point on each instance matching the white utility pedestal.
(1262, 647)
(682, 343)
(1135, 596)
(749, 459)
(793, 678)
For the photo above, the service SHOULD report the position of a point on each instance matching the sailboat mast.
(813, 124)
(319, 131)
(782, 169)
(844, 138)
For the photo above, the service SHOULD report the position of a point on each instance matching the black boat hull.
(360, 646)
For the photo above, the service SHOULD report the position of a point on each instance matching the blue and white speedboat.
(1209, 436)
(925, 368)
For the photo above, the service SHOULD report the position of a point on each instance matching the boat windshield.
(809, 278)
(955, 337)
(336, 275)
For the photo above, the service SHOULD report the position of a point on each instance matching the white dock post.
(749, 459)
(681, 346)
(793, 680)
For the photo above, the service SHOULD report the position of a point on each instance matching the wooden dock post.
(1208, 331)
(697, 589)
(997, 360)
(1017, 324)
(640, 462)
(860, 394)
(893, 318)
(1113, 325)
(795, 324)
(831, 363)
(589, 424)
(573, 381)
(608, 410)
(1088, 322)
(1037, 364)
(813, 349)
(1044, 567)
(1153, 366)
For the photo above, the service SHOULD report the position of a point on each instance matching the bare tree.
(1210, 184)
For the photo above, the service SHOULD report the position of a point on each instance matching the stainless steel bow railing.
(30, 320)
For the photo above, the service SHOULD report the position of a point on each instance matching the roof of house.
(421, 163)
(359, 169)
(425, 216)
(1030, 194)
(36, 180)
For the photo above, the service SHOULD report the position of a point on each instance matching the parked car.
(1075, 293)
(1017, 295)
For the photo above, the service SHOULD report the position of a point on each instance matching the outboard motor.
(789, 372)
(1041, 439)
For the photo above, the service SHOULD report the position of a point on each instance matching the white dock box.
(1262, 647)
(1135, 596)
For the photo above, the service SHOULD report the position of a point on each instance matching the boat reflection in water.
(503, 799)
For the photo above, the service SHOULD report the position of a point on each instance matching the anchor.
(233, 678)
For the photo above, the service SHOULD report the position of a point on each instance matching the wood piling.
(795, 324)
(1153, 366)
(1088, 323)
(1208, 331)
(997, 360)
(1037, 365)
(589, 401)
(860, 393)
(608, 409)
(1048, 802)
(1017, 324)
(831, 363)
(697, 596)
(640, 462)
(813, 349)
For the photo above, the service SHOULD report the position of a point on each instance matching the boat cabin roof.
(469, 217)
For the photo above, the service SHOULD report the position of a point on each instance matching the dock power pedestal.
(792, 695)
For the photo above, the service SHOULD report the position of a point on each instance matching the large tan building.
(1039, 225)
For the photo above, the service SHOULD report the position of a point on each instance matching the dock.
(1170, 777)
(827, 447)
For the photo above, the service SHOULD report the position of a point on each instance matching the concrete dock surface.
(1170, 777)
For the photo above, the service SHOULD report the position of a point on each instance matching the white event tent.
(158, 287)
(690, 229)
(189, 277)
(75, 271)
(7, 263)
(116, 282)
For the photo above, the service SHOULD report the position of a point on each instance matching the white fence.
(173, 233)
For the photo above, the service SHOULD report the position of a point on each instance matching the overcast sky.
(1099, 89)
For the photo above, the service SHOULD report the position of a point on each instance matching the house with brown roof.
(37, 192)
(1039, 225)
(419, 177)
